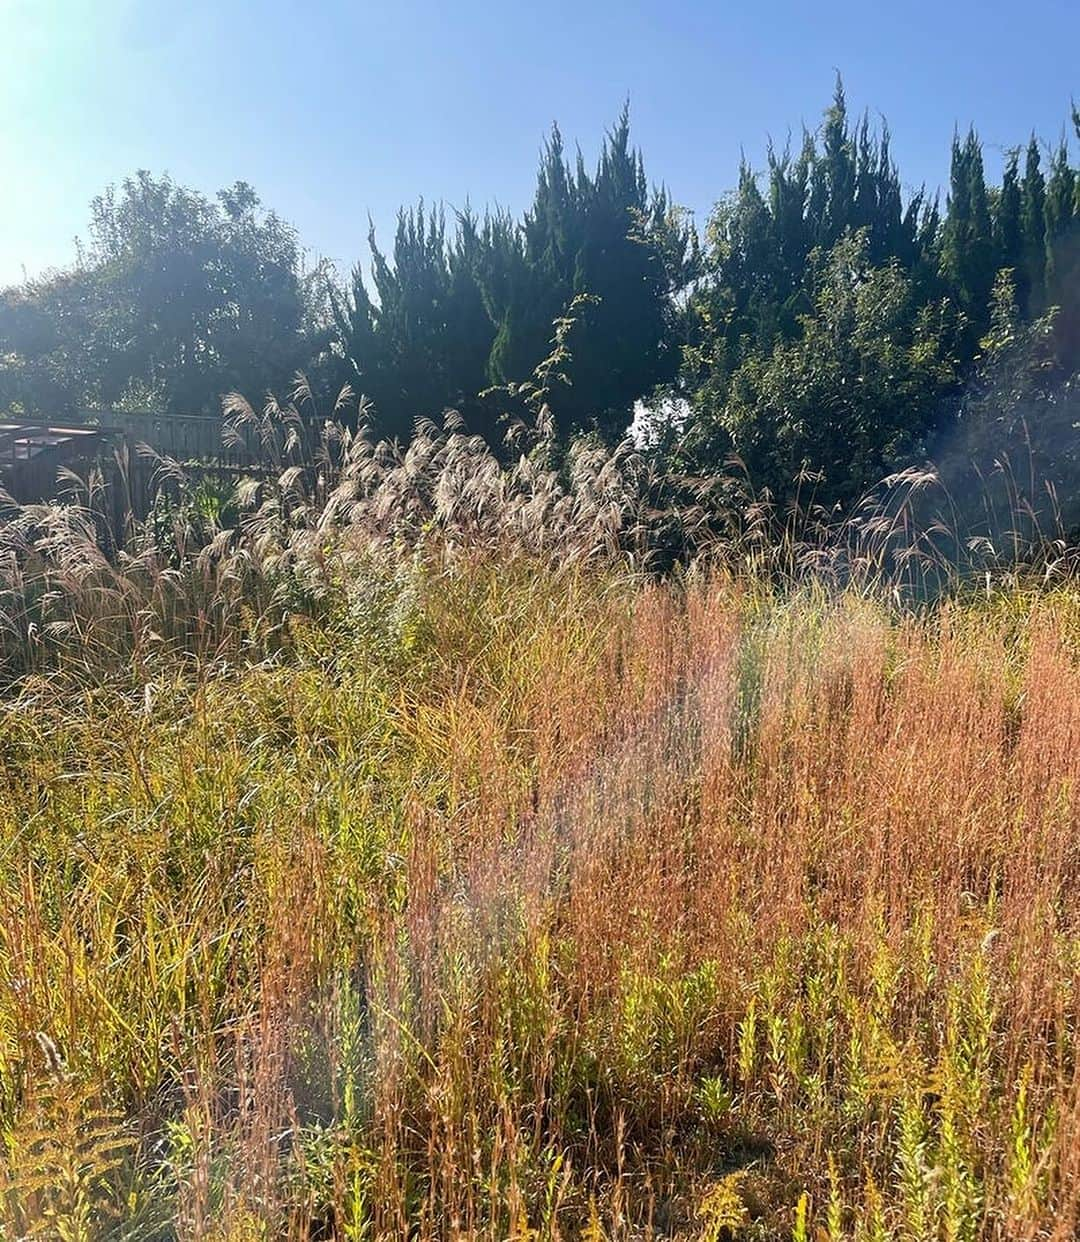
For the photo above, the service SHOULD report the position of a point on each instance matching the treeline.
(824, 325)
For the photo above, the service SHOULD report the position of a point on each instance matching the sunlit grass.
(509, 903)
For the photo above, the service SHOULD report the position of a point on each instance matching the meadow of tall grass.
(362, 886)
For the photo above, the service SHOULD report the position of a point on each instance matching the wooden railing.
(190, 438)
(185, 437)
(32, 451)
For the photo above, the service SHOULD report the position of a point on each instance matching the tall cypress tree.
(1060, 204)
(1033, 225)
(894, 230)
(540, 262)
(606, 235)
(968, 255)
(1007, 235)
(1063, 250)
(789, 187)
(833, 192)
(421, 343)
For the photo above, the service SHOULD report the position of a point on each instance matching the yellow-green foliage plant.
(497, 900)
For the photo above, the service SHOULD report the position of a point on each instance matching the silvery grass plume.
(145, 554)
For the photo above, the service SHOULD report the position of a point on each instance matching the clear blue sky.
(333, 110)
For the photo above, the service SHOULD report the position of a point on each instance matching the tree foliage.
(837, 328)
(457, 311)
(856, 389)
(418, 342)
(174, 300)
(826, 321)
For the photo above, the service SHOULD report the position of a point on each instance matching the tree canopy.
(824, 320)
(174, 300)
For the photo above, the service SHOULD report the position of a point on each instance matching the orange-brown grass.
(519, 904)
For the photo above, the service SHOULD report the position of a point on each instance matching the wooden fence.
(33, 451)
(184, 437)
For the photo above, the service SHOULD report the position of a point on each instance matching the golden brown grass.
(520, 904)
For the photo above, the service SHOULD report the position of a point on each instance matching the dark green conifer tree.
(1007, 236)
(420, 345)
(832, 194)
(609, 236)
(1062, 281)
(1033, 228)
(969, 255)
